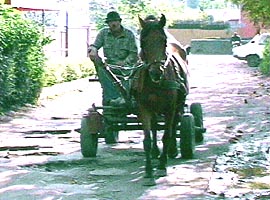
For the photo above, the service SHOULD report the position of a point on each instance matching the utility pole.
(66, 33)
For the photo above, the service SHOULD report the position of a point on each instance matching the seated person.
(119, 48)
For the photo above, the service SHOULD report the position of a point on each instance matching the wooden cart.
(107, 121)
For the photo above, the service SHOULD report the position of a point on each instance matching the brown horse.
(160, 91)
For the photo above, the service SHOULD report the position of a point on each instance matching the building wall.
(247, 29)
(184, 36)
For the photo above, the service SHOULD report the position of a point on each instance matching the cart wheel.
(111, 137)
(187, 136)
(89, 142)
(196, 110)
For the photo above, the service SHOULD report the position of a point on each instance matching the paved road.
(40, 157)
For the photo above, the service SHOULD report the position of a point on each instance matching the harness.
(178, 84)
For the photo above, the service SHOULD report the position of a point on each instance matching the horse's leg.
(147, 149)
(173, 151)
(155, 150)
(166, 140)
(147, 144)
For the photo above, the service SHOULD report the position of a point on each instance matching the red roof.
(33, 5)
(34, 9)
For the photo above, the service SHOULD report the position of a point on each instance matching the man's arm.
(98, 43)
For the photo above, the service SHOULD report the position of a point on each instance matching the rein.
(125, 73)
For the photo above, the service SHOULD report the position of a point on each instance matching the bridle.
(157, 66)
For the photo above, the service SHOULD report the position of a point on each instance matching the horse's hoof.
(149, 182)
(161, 172)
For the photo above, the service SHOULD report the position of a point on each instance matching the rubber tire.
(88, 141)
(253, 60)
(196, 111)
(187, 136)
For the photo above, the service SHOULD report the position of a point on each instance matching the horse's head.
(153, 46)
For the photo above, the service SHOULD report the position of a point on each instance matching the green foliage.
(174, 12)
(21, 59)
(258, 11)
(131, 9)
(67, 69)
(212, 4)
(265, 65)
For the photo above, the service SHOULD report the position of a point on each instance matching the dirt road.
(40, 156)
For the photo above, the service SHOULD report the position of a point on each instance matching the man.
(119, 48)
(235, 39)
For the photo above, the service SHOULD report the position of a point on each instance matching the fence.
(71, 42)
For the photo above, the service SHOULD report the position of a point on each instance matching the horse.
(161, 90)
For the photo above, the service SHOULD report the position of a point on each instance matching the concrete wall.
(184, 36)
(204, 41)
(211, 46)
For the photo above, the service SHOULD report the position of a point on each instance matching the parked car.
(252, 51)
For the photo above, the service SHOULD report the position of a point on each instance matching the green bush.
(24, 70)
(67, 69)
(265, 64)
(21, 59)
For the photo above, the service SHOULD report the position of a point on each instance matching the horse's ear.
(162, 20)
(142, 22)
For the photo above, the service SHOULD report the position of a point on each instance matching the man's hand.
(92, 52)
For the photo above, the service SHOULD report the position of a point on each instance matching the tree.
(21, 59)
(131, 9)
(257, 11)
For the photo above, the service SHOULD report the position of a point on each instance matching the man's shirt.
(120, 48)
